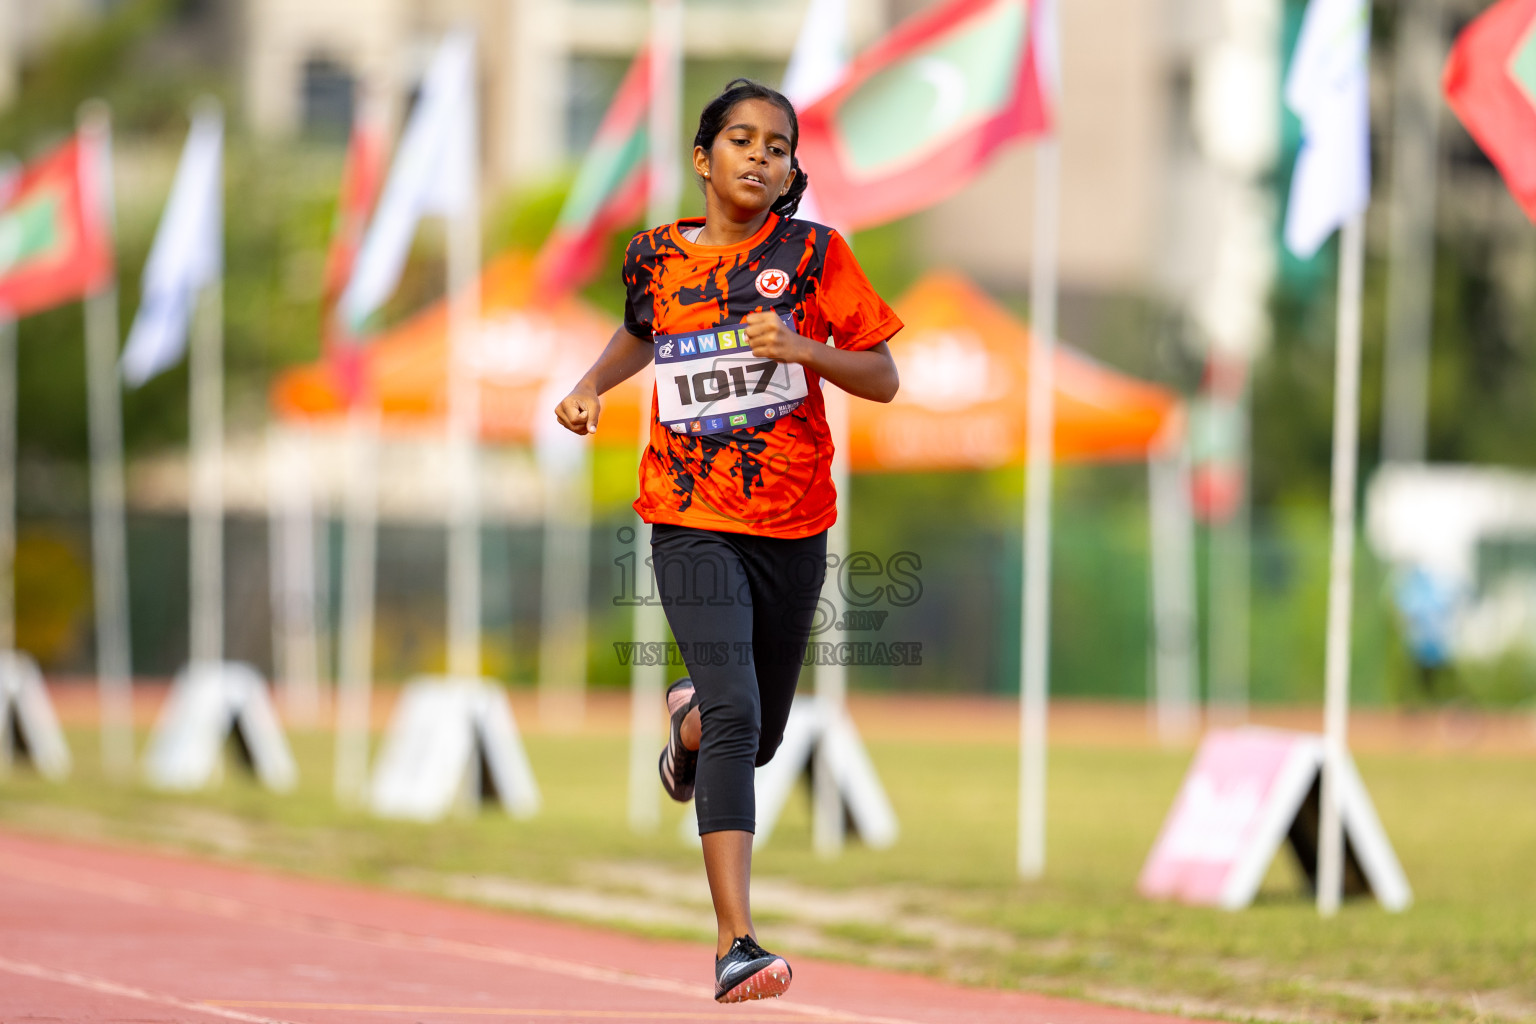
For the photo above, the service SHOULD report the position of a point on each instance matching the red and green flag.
(55, 234)
(1217, 440)
(362, 178)
(1490, 81)
(922, 111)
(610, 188)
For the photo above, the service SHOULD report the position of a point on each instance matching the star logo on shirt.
(772, 282)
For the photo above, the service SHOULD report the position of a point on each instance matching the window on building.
(591, 84)
(329, 96)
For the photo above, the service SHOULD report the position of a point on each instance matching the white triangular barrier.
(28, 726)
(209, 704)
(452, 740)
(811, 724)
(1248, 792)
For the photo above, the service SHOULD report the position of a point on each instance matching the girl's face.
(748, 167)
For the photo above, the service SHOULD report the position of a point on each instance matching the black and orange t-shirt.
(772, 480)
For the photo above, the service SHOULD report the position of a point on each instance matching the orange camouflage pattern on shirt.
(772, 480)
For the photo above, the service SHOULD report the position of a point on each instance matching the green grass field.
(944, 899)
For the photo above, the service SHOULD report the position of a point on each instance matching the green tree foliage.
(110, 57)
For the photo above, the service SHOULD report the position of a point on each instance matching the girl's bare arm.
(870, 373)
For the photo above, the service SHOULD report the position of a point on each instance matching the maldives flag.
(610, 188)
(1490, 81)
(361, 180)
(922, 111)
(55, 234)
(1217, 440)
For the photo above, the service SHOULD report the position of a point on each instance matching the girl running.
(736, 311)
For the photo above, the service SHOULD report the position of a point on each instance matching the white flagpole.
(278, 555)
(1173, 592)
(565, 467)
(650, 623)
(1034, 655)
(1328, 87)
(1230, 572)
(818, 62)
(7, 454)
(646, 688)
(354, 671)
(206, 497)
(1346, 430)
(7, 483)
(108, 533)
(567, 570)
(829, 816)
(464, 602)
(291, 533)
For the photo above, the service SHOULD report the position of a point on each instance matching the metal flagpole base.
(453, 743)
(1249, 792)
(820, 733)
(211, 703)
(28, 726)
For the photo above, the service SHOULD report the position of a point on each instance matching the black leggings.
(741, 608)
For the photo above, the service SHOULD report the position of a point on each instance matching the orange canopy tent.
(527, 345)
(964, 363)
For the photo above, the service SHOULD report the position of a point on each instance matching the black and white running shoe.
(678, 763)
(748, 971)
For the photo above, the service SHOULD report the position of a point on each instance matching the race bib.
(708, 382)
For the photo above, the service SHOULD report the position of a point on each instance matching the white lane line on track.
(145, 894)
(507, 1011)
(112, 988)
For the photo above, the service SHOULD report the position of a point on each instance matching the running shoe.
(678, 763)
(748, 971)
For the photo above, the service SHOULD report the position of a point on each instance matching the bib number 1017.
(713, 385)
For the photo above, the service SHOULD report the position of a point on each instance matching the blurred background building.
(28, 28)
(1176, 155)
(549, 68)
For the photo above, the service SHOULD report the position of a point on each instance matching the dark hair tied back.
(712, 122)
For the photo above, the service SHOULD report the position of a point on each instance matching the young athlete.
(736, 312)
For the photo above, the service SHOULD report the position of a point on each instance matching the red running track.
(96, 934)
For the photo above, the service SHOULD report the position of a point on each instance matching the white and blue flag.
(433, 172)
(187, 254)
(1328, 87)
